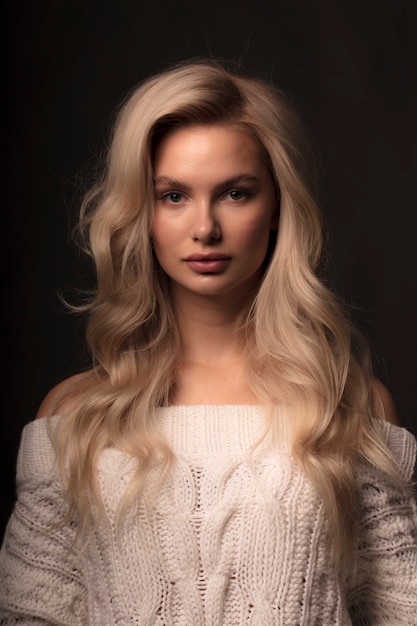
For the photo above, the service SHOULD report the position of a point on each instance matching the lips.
(212, 263)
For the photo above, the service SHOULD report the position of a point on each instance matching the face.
(215, 205)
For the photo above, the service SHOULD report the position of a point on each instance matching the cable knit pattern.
(231, 538)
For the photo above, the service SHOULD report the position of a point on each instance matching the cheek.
(160, 232)
(255, 232)
(166, 229)
(255, 241)
(166, 240)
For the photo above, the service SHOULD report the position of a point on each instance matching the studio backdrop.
(350, 69)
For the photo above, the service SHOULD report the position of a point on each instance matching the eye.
(237, 194)
(172, 196)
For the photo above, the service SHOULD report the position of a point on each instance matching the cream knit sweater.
(230, 540)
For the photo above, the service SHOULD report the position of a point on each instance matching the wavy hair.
(303, 350)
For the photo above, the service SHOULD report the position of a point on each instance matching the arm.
(40, 577)
(384, 404)
(383, 588)
(65, 394)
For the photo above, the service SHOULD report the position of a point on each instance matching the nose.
(205, 227)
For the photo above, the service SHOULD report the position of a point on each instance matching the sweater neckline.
(213, 429)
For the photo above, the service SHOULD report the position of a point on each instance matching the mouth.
(212, 263)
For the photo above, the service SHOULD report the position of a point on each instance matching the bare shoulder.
(384, 403)
(63, 395)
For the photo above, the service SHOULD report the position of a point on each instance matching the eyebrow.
(167, 181)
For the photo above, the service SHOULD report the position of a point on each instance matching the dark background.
(350, 67)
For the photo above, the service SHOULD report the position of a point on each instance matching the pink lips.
(212, 263)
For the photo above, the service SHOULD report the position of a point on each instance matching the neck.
(209, 329)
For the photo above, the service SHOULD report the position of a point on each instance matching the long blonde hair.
(304, 351)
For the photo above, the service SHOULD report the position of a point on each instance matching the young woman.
(227, 459)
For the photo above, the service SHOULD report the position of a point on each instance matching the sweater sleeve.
(40, 579)
(384, 587)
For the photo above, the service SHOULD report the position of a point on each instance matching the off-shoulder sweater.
(234, 537)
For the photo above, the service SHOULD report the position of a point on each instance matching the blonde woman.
(229, 458)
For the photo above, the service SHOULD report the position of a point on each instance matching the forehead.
(208, 146)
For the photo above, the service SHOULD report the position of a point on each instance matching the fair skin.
(214, 198)
(215, 207)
